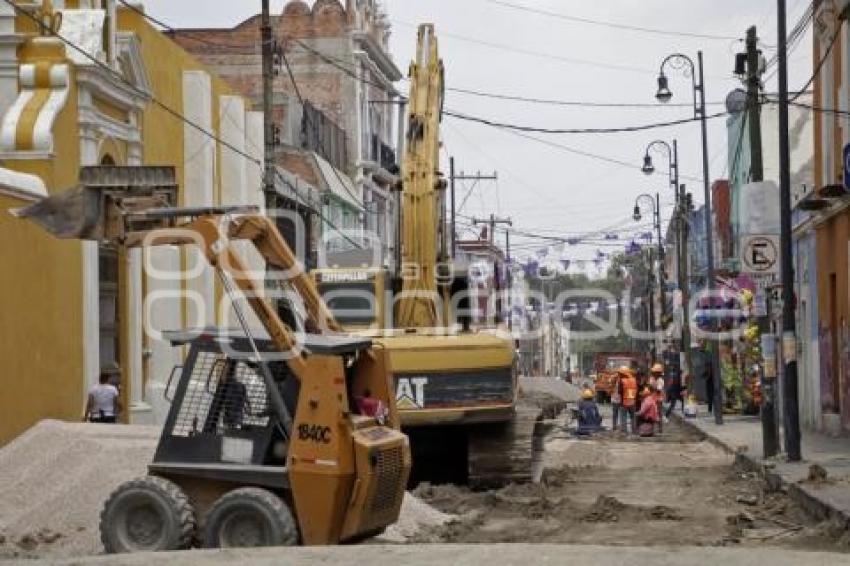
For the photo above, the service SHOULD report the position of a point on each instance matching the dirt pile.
(609, 509)
(54, 479)
(416, 515)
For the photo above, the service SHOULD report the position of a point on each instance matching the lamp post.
(655, 203)
(648, 168)
(678, 61)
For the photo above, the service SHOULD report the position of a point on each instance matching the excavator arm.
(422, 185)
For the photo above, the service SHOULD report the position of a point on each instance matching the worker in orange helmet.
(629, 392)
(657, 383)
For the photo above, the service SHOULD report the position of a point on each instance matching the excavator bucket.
(102, 206)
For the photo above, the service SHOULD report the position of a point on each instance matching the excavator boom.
(422, 186)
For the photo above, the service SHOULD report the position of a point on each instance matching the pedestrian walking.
(629, 391)
(657, 383)
(708, 375)
(103, 403)
(674, 393)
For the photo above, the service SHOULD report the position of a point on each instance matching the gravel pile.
(55, 477)
(416, 515)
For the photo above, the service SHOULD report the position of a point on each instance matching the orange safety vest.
(630, 391)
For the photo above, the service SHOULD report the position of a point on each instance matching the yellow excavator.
(456, 390)
(274, 437)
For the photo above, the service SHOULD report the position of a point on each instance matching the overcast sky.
(544, 188)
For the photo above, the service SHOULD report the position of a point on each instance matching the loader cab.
(220, 410)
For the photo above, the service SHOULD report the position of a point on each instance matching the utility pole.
(683, 210)
(510, 279)
(770, 432)
(464, 177)
(454, 204)
(650, 323)
(491, 222)
(268, 108)
(789, 340)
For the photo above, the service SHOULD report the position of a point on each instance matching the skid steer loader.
(271, 439)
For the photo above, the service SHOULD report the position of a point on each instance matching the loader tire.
(249, 517)
(147, 514)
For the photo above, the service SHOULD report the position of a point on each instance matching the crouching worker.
(589, 419)
(648, 414)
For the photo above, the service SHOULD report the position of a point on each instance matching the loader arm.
(215, 235)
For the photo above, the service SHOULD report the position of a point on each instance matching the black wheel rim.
(243, 529)
(141, 525)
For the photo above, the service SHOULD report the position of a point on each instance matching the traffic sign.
(760, 254)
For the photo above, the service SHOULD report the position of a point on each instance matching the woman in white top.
(103, 404)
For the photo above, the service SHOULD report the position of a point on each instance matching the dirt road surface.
(613, 489)
(473, 555)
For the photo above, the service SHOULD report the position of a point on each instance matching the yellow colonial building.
(103, 88)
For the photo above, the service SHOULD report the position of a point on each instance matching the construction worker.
(616, 401)
(629, 391)
(648, 414)
(657, 382)
(589, 419)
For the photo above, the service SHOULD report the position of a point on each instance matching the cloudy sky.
(491, 47)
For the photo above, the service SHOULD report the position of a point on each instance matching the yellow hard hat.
(658, 368)
(587, 394)
(646, 391)
(625, 371)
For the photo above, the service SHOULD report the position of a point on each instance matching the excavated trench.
(613, 489)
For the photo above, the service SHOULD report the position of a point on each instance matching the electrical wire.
(174, 113)
(186, 33)
(542, 130)
(314, 127)
(819, 66)
(538, 54)
(575, 103)
(613, 25)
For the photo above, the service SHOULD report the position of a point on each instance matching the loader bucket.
(99, 207)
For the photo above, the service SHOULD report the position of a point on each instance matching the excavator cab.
(271, 439)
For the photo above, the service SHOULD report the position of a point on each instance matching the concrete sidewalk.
(742, 436)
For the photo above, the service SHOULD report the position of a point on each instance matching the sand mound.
(416, 515)
(54, 479)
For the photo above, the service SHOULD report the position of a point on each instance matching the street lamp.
(655, 203)
(672, 153)
(678, 61)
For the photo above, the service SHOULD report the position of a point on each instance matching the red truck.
(607, 364)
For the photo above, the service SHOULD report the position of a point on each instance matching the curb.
(816, 507)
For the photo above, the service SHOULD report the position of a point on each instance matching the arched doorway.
(109, 322)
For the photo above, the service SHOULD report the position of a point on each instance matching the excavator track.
(503, 453)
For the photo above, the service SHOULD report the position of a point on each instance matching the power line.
(289, 71)
(538, 54)
(542, 130)
(577, 103)
(157, 102)
(186, 33)
(819, 66)
(612, 25)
